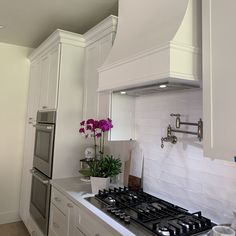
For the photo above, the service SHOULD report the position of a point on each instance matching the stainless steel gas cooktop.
(144, 214)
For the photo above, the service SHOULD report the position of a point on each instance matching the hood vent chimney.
(157, 42)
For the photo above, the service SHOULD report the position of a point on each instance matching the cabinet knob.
(57, 199)
(70, 205)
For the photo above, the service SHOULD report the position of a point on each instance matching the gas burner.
(140, 211)
(110, 200)
(164, 231)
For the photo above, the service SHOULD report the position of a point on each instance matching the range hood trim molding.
(152, 71)
(159, 48)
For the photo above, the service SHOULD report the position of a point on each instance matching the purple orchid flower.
(82, 130)
(90, 122)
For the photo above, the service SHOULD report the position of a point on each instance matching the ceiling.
(29, 22)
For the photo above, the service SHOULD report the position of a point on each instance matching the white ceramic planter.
(99, 183)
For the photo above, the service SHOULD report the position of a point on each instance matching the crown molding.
(102, 29)
(58, 36)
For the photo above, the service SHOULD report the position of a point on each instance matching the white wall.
(14, 76)
(180, 173)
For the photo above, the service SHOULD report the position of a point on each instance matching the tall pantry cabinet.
(56, 82)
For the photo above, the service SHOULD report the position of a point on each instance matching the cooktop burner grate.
(157, 216)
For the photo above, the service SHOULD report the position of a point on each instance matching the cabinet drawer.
(88, 224)
(57, 222)
(59, 200)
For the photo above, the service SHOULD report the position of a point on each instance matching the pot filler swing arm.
(171, 138)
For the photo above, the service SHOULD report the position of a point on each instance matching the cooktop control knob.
(117, 213)
(127, 219)
(122, 215)
(109, 208)
(113, 210)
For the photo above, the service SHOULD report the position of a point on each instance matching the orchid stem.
(103, 142)
(95, 144)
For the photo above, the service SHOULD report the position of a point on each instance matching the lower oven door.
(40, 200)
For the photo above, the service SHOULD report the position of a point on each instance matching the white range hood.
(157, 41)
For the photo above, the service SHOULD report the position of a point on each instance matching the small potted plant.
(102, 170)
(102, 167)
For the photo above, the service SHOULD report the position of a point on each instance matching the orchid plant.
(96, 129)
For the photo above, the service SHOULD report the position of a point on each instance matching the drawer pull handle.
(97, 234)
(56, 225)
(70, 205)
(57, 199)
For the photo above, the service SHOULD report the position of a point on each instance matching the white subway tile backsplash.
(180, 173)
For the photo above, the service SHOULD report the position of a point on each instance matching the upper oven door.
(43, 148)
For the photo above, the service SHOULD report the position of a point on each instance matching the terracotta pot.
(98, 183)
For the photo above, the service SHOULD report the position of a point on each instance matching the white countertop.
(76, 190)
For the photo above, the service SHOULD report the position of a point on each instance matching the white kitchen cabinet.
(63, 216)
(56, 81)
(69, 219)
(219, 56)
(102, 105)
(99, 42)
(49, 78)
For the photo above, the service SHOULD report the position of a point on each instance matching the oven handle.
(33, 172)
(49, 127)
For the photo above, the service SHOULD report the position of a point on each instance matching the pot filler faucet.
(173, 139)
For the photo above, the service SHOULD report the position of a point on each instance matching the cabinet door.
(58, 222)
(53, 77)
(26, 176)
(95, 104)
(71, 222)
(90, 226)
(219, 56)
(33, 106)
(49, 79)
(34, 90)
(44, 81)
(104, 98)
(91, 81)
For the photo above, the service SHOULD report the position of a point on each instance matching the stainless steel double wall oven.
(42, 168)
